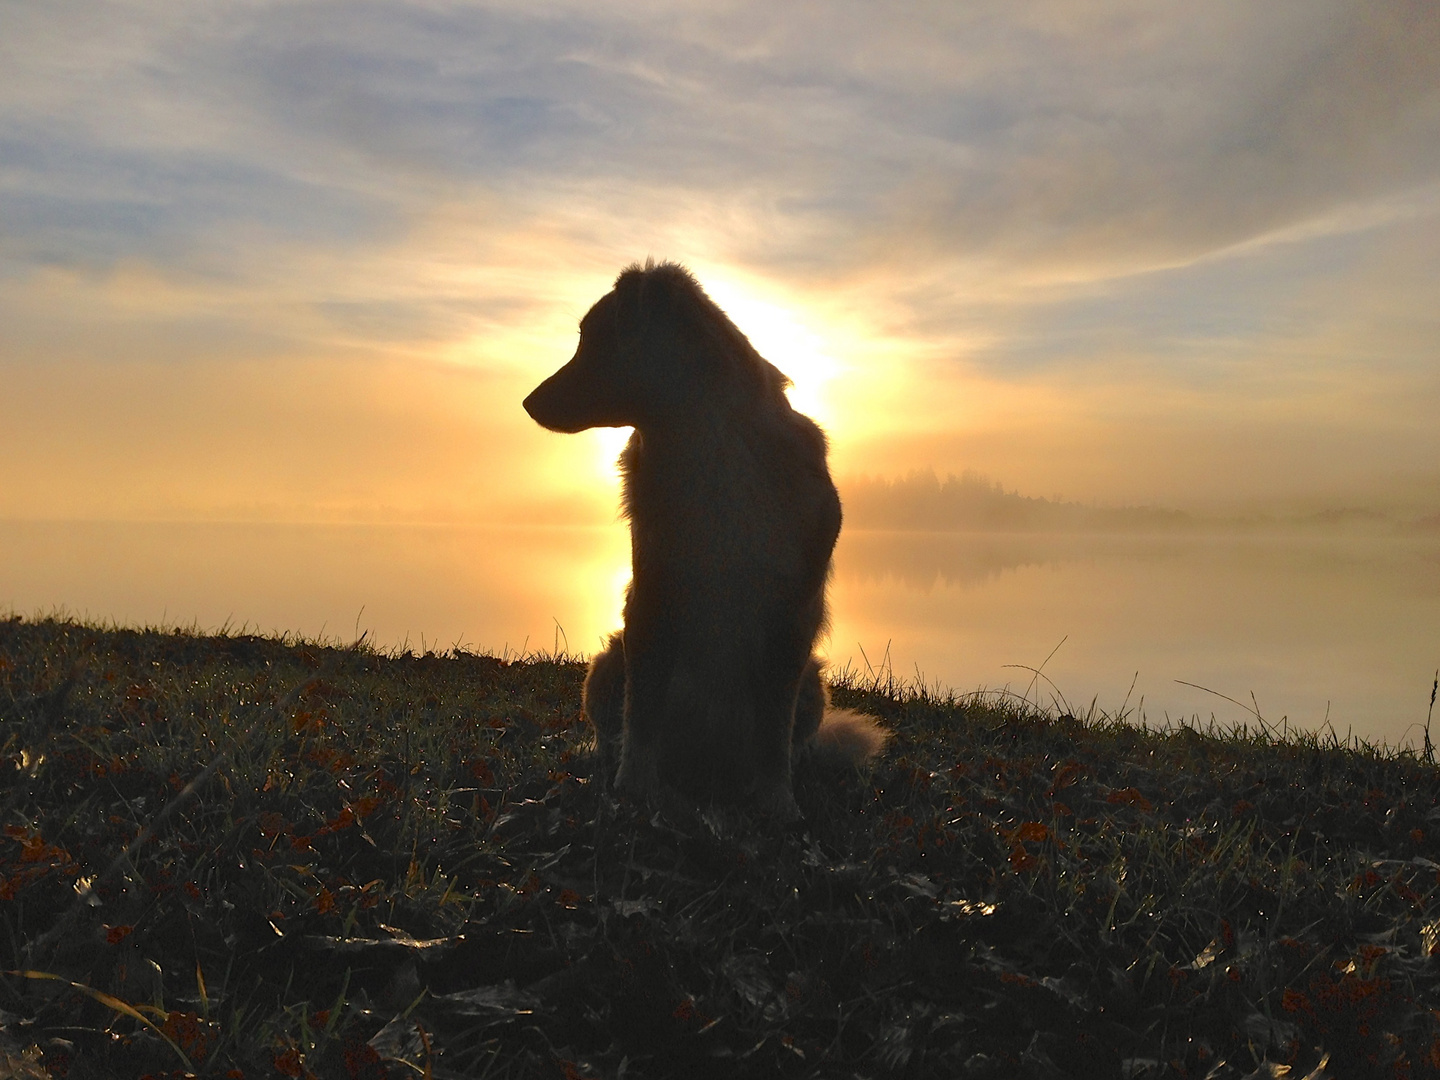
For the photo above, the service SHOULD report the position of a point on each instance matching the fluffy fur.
(733, 519)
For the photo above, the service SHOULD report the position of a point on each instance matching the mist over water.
(437, 587)
(1314, 626)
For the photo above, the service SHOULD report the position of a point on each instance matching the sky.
(274, 261)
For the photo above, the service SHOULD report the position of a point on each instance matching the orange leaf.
(1021, 860)
(1065, 775)
(189, 1031)
(342, 820)
(1130, 797)
(1034, 831)
(481, 771)
(34, 849)
(288, 1063)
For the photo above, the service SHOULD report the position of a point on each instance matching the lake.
(1319, 629)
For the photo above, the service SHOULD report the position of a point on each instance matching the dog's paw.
(639, 776)
(778, 803)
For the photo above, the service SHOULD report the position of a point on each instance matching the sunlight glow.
(608, 442)
(619, 582)
(787, 342)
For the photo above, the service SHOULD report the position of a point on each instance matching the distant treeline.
(969, 502)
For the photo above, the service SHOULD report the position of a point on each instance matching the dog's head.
(652, 349)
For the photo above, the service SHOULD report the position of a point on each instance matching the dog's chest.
(701, 511)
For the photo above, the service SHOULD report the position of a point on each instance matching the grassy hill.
(234, 856)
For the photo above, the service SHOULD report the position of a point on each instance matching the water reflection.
(1347, 628)
(1344, 630)
(929, 560)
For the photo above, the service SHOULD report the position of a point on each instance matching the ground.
(236, 856)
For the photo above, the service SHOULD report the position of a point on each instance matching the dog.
(712, 682)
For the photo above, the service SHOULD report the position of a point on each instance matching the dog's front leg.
(774, 794)
(604, 706)
(646, 679)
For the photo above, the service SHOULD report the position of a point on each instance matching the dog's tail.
(847, 737)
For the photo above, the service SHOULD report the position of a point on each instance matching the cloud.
(1103, 137)
(1204, 210)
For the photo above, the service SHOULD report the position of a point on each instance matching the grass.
(234, 856)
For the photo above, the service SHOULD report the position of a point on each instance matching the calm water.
(1344, 627)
